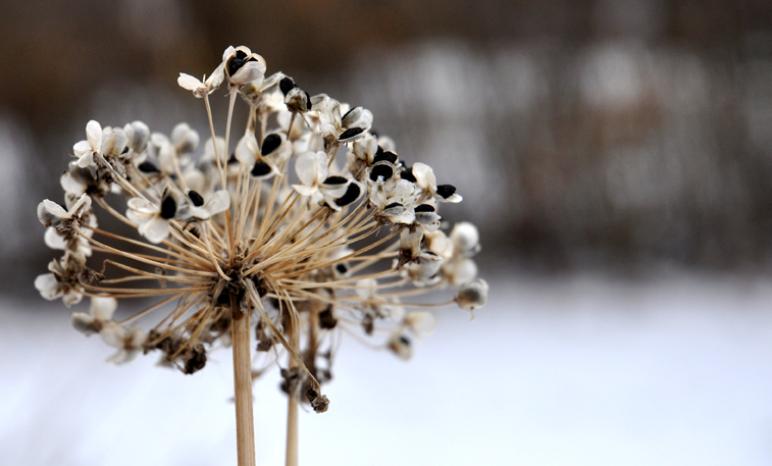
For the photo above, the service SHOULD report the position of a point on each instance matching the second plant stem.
(291, 451)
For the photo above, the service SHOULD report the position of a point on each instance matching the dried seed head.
(308, 222)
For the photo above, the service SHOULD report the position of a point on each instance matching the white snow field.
(576, 371)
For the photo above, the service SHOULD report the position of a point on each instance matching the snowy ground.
(574, 372)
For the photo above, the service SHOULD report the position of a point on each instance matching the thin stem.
(150, 309)
(291, 451)
(292, 432)
(231, 102)
(214, 142)
(242, 377)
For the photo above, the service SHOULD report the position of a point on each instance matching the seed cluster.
(309, 222)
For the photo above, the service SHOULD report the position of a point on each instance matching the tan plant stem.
(242, 377)
(292, 431)
(291, 452)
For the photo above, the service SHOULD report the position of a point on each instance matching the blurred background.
(616, 155)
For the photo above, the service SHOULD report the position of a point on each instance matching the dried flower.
(307, 223)
(100, 313)
(473, 295)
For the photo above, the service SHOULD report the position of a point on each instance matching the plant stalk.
(242, 378)
(291, 458)
(291, 451)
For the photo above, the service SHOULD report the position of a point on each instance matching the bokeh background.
(616, 155)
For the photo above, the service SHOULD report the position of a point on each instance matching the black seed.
(308, 101)
(232, 159)
(168, 207)
(351, 195)
(407, 174)
(260, 169)
(335, 180)
(286, 85)
(387, 156)
(327, 321)
(236, 62)
(341, 268)
(446, 190)
(350, 133)
(233, 65)
(392, 205)
(424, 208)
(381, 171)
(195, 198)
(270, 143)
(147, 167)
(404, 340)
(125, 150)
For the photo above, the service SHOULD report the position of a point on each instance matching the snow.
(574, 371)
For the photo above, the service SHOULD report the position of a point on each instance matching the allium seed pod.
(298, 219)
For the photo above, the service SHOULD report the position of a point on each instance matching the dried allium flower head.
(307, 223)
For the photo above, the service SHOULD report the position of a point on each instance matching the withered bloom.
(303, 225)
